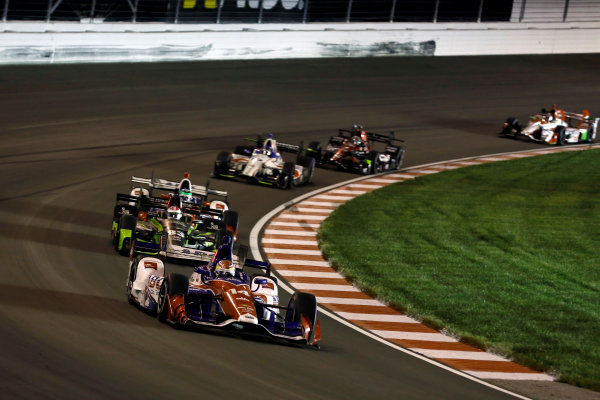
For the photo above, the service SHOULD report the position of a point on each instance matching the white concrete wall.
(88, 42)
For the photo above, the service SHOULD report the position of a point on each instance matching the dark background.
(318, 11)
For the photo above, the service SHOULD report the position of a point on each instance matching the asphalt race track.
(72, 136)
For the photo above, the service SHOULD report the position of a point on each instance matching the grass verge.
(504, 255)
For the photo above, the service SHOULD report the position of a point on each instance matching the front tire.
(561, 135)
(173, 284)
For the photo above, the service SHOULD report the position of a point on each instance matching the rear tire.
(374, 166)
(221, 166)
(590, 135)
(231, 221)
(308, 163)
(129, 222)
(314, 151)
(397, 162)
(286, 178)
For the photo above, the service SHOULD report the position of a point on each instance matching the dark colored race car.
(185, 224)
(264, 164)
(353, 150)
(222, 296)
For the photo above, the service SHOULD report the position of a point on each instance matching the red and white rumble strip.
(290, 244)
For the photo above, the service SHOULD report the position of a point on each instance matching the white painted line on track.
(492, 159)
(426, 336)
(322, 286)
(378, 317)
(307, 242)
(292, 251)
(308, 274)
(307, 217)
(357, 185)
(326, 197)
(312, 209)
(354, 302)
(289, 233)
(460, 355)
(299, 262)
(389, 181)
(319, 203)
(294, 224)
(350, 192)
(513, 376)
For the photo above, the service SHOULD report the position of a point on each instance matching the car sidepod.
(144, 280)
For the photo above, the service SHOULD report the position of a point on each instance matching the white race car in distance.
(555, 127)
(264, 164)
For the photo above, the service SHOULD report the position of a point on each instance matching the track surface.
(73, 135)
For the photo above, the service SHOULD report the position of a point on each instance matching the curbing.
(292, 249)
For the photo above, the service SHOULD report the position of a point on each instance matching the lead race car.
(185, 224)
(353, 150)
(554, 126)
(221, 296)
(264, 164)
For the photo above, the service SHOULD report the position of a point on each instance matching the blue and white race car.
(264, 164)
(221, 295)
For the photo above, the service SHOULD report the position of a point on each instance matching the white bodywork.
(149, 276)
(542, 127)
(260, 165)
(266, 288)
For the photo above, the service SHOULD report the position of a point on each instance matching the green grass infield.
(504, 255)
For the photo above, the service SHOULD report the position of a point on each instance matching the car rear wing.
(163, 184)
(142, 201)
(286, 147)
(388, 138)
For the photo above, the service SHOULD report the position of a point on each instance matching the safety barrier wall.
(77, 42)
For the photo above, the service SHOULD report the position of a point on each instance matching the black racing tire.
(231, 221)
(314, 150)
(127, 221)
(590, 134)
(561, 135)
(398, 160)
(375, 166)
(309, 168)
(300, 304)
(221, 164)
(512, 127)
(173, 284)
(286, 178)
(131, 279)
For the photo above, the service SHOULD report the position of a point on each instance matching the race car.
(554, 126)
(353, 150)
(264, 164)
(183, 225)
(222, 296)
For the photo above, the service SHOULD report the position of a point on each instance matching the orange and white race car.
(555, 126)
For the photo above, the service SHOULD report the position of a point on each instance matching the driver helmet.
(185, 195)
(267, 150)
(357, 128)
(225, 267)
(142, 216)
(174, 212)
